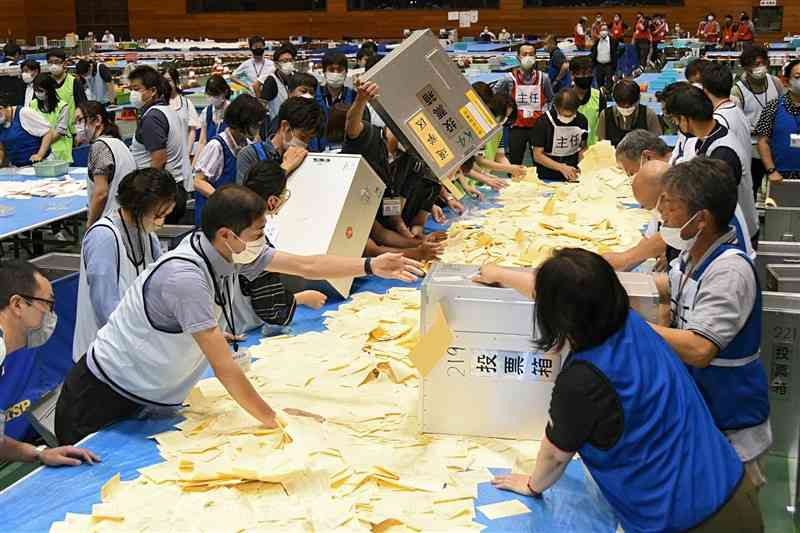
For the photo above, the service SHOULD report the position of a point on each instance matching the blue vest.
(786, 158)
(19, 144)
(320, 143)
(211, 126)
(228, 176)
(671, 469)
(734, 385)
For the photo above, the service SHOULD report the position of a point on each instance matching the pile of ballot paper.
(365, 467)
(597, 213)
(43, 188)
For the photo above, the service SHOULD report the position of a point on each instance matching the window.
(768, 19)
(601, 4)
(423, 4)
(210, 6)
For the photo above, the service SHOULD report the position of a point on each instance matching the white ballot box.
(333, 202)
(429, 104)
(493, 381)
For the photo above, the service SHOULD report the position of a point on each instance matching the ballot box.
(782, 222)
(429, 104)
(775, 253)
(783, 278)
(493, 381)
(332, 205)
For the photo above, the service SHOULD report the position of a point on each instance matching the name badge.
(794, 140)
(392, 207)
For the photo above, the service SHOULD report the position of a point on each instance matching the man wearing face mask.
(253, 71)
(532, 92)
(693, 113)
(559, 139)
(30, 69)
(715, 302)
(27, 320)
(605, 55)
(276, 86)
(627, 114)
(69, 88)
(333, 91)
(165, 332)
(216, 164)
(778, 130)
(591, 100)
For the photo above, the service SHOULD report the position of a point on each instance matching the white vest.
(177, 156)
(124, 164)
(754, 104)
(86, 325)
(145, 364)
(730, 116)
(245, 318)
(280, 98)
(566, 139)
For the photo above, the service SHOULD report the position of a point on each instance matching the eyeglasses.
(30, 299)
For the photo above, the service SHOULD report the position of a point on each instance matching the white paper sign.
(452, 15)
(473, 16)
(464, 20)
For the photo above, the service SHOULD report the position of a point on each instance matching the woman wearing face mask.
(47, 102)
(618, 28)
(591, 100)
(27, 320)
(160, 138)
(110, 160)
(580, 33)
(626, 115)
(625, 404)
(216, 164)
(275, 90)
(710, 32)
(212, 119)
(30, 69)
(642, 39)
(184, 108)
(778, 130)
(756, 87)
(559, 139)
(119, 247)
(333, 91)
(728, 33)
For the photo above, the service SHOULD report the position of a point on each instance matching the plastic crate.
(51, 169)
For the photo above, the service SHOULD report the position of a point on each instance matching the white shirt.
(108, 38)
(250, 71)
(32, 121)
(604, 50)
(211, 160)
(28, 94)
(186, 111)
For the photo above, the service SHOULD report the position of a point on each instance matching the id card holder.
(392, 207)
(243, 359)
(794, 140)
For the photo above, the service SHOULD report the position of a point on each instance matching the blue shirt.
(557, 58)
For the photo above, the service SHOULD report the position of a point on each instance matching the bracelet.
(368, 266)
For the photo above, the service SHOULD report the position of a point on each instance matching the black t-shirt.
(584, 408)
(544, 137)
(723, 153)
(372, 147)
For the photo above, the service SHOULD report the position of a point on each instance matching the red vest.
(729, 35)
(641, 33)
(617, 30)
(660, 33)
(580, 40)
(711, 31)
(529, 97)
(744, 33)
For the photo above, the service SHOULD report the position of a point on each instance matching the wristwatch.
(771, 170)
(368, 266)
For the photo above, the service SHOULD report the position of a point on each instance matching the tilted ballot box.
(429, 104)
(332, 205)
(493, 381)
(782, 222)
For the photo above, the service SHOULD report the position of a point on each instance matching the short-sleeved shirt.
(557, 59)
(101, 161)
(211, 160)
(766, 123)
(543, 137)
(186, 111)
(153, 129)
(32, 121)
(248, 156)
(252, 72)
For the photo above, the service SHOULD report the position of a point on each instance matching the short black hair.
(83, 67)
(369, 46)
(245, 112)
(705, 183)
(266, 178)
(334, 58)
(302, 79)
(49, 85)
(626, 92)
(372, 61)
(566, 100)
(789, 67)
(145, 189)
(12, 50)
(575, 288)
(717, 79)
(284, 48)
(254, 40)
(302, 114)
(151, 79)
(579, 63)
(31, 64)
(670, 89)
(17, 277)
(750, 55)
(690, 102)
(484, 90)
(92, 109)
(694, 68)
(231, 206)
(58, 53)
(171, 71)
(337, 122)
(217, 86)
(364, 53)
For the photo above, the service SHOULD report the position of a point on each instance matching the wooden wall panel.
(12, 19)
(50, 18)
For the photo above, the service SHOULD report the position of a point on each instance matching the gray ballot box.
(493, 381)
(782, 223)
(429, 104)
(775, 253)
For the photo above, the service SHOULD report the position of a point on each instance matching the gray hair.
(705, 183)
(637, 141)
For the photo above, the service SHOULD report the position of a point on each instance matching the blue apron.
(320, 143)
(786, 158)
(211, 126)
(228, 176)
(266, 151)
(671, 469)
(19, 144)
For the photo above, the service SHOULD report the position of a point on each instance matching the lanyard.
(219, 298)
(260, 70)
(766, 92)
(136, 263)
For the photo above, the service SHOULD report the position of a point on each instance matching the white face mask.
(287, 68)
(794, 86)
(137, 100)
(626, 111)
(80, 133)
(252, 250)
(566, 120)
(527, 62)
(759, 72)
(56, 70)
(307, 96)
(334, 79)
(40, 95)
(217, 101)
(40, 335)
(672, 236)
(27, 77)
(603, 34)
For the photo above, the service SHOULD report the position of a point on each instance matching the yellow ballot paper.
(432, 345)
(505, 509)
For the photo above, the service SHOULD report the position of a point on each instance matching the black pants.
(643, 47)
(519, 139)
(604, 74)
(758, 170)
(180, 206)
(86, 405)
